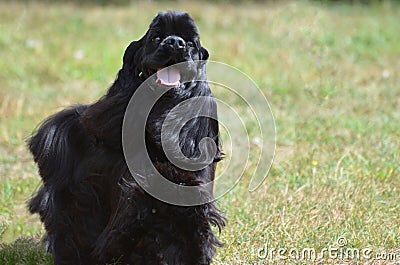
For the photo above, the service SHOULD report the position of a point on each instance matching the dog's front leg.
(121, 234)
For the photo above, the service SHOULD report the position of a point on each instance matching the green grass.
(330, 72)
(24, 251)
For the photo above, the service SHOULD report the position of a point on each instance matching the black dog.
(93, 210)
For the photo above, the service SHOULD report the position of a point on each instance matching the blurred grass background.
(329, 70)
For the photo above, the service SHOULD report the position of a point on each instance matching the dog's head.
(172, 38)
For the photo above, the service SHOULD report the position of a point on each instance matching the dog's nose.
(174, 42)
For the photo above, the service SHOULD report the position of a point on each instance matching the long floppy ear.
(130, 68)
(203, 54)
(201, 65)
(131, 59)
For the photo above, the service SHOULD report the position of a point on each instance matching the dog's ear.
(130, 67)
(132, 56)
(204, 54)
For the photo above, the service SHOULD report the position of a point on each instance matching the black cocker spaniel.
(93, 209)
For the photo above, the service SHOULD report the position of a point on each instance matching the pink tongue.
(168, 76)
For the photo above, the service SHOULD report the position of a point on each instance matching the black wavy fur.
(92, 209)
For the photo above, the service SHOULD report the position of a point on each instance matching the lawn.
(331, 74)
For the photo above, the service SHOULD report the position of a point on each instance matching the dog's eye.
(190, 43)
(156, 39)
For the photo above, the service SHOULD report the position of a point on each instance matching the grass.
(330, 72)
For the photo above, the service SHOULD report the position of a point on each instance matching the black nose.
(174, 42)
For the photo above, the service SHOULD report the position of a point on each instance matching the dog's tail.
(56, 147)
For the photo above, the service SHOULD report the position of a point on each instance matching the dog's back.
(57, 145)
(66, 198)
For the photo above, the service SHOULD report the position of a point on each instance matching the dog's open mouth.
(169, 76)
